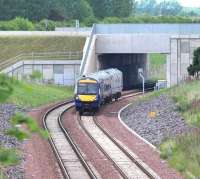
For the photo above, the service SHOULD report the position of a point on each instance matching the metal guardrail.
(41, 56)
(85, 56)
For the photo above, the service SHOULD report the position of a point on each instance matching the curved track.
(121, 158)
(68, 155)
(70, 158)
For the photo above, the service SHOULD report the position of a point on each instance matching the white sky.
(190, 3)
(187, 3)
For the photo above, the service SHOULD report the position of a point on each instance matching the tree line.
(58, 10)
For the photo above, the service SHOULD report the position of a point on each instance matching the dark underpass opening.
(128, 64)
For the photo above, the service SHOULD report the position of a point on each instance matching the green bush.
(145, 18)
(36, 75)
(31, 126)
(89, 21)
(45, 25)
(111, 20)
(6, 82)
(17, 24)
(24, 24)
(8, 157)
(6, 87)
(65, 23)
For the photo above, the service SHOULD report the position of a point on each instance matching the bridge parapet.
(178, 41)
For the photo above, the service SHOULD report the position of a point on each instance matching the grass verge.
(183, 152)
(32, 95)
(157, 66)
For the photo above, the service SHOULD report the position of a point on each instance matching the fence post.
(12, 71)
(23, 68)
(32, 55)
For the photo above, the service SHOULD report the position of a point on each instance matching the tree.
(35, 9)
(112, 8)
(82, 10)
(122, 8)
(10, 9)
(194, 68)
(70, 9)
(146, 6)
(31, 9)
(169, 7)
(101, 8)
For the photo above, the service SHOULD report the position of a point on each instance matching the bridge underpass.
(127, 63)
(124, 45)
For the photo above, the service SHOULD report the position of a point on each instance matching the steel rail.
(140, 166)
(69, 139)
(74, 146)
(53, 145)
(123, 149)
(101, 149)
(118, 144)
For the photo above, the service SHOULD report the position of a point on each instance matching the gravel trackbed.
(165, 123)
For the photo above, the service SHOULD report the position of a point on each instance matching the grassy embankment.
(33, 95)
(26, 95)
(183, 152)
(157, 66)
(11, 46)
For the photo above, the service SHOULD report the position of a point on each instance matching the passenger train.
(93, 90)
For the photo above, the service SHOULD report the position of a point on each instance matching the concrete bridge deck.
(132, 43)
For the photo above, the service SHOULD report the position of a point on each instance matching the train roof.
(103, 74)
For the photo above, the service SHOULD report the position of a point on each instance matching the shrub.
(89, 21)
(23, 24)
(45, 25)
(36, 75)
(17, 24)
(66, 23)
(8, 157)
(194, 68)
(110, 20)
(31, 124)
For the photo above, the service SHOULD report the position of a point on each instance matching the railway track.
(70, 159)
(124, 161)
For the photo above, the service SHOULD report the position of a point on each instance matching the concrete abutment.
(124, 46)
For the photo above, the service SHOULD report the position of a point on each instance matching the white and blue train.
(93, 90)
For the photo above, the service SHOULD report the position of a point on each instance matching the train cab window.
(87, 88)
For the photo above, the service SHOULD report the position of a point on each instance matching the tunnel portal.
(128, 64)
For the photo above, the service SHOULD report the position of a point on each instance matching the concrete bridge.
(126, 47)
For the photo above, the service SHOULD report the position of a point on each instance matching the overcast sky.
(187, 3)
(190, 3)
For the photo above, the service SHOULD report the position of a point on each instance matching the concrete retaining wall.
(181, 56)
(54, 72)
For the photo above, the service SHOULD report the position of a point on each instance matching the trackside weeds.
(6, 112)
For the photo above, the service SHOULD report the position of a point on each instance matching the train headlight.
(77, 98)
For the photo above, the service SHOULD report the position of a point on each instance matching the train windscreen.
(87, 88)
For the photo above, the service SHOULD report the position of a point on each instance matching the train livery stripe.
(87, 98)
(87, 81)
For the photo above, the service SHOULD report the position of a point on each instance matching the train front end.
(87, 97)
